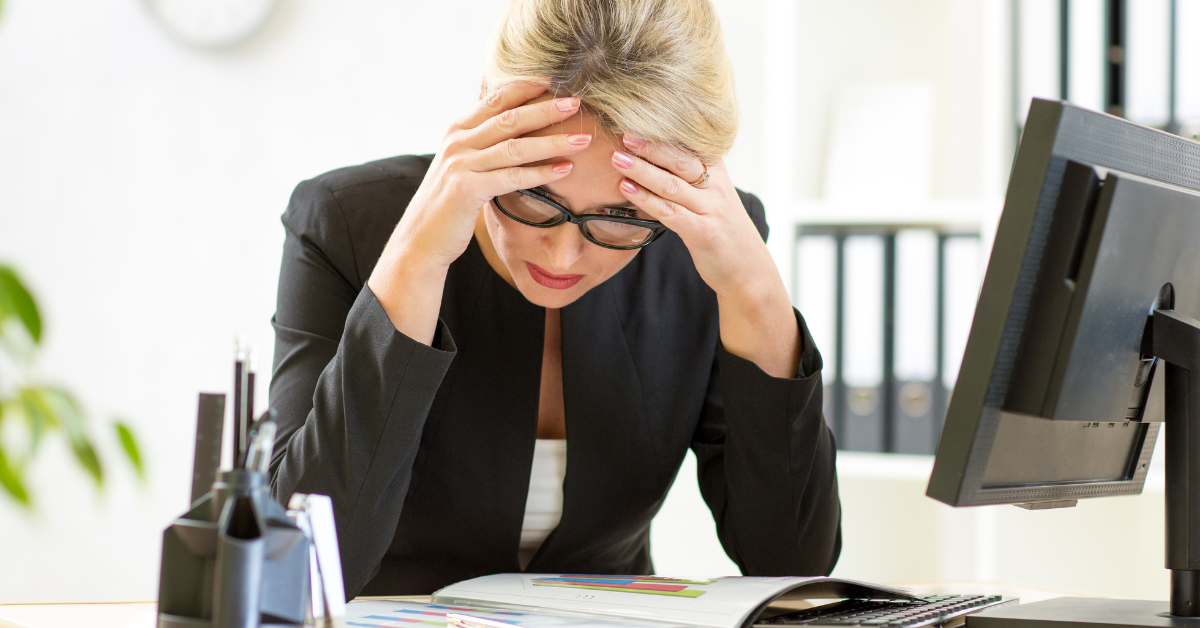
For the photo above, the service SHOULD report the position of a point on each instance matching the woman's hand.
(481, 157)
(756, 314)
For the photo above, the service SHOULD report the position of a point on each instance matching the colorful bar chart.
(650, 585)
(436, 616)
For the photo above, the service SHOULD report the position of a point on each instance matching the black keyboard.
(928, 611)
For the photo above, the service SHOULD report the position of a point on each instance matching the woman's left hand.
(726, 247)
(730, 255)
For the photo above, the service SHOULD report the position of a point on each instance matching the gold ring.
(702, 179)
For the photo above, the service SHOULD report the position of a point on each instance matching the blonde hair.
(656, 69)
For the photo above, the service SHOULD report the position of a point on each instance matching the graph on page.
(649, 585)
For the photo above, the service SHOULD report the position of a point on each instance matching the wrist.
(409, 286)
(758, 286)
(758, 303)
(757, 324)
(403, 269)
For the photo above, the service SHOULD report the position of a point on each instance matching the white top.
(543, 507)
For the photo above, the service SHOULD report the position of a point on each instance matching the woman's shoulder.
(354, 209)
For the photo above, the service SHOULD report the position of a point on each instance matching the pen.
(239, 355)
(267, 432)
(252, 367)
(467, 621)
(262, 443)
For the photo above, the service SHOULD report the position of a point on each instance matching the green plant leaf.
(10, 481)
(38, 415)
(20, 302)
(70, 417)
(129, 444)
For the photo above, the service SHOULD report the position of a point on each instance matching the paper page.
(380, 614)
(716, 603)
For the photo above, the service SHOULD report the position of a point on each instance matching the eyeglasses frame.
(656, 228)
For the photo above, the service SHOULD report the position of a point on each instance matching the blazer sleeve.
(765, 460)
(351, 393)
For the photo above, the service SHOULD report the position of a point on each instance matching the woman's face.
(553, 267)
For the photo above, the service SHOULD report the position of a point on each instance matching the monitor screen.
(1057, 398)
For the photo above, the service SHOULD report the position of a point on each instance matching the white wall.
(140, 188)
(141, 184)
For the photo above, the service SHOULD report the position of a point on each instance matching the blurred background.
(148, 147)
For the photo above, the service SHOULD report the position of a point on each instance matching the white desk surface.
(103, 614)
(141, 614)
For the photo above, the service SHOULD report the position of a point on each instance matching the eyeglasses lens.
(537, 212)
(530, 209)
(617, 233)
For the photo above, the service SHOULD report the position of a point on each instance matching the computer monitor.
(1081, 345)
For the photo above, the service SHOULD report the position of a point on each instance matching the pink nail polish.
(567, 104)
(634, 143)
(628, 187)
(579, 139)
(622, 160)
(562, 168)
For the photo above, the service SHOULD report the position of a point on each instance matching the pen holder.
(235, 560)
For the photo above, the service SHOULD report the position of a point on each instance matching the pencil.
(249, 412)
(238, 357)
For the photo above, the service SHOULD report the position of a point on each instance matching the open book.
(542, 600)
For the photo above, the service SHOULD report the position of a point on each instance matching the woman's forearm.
(409, 287)
(758, 325)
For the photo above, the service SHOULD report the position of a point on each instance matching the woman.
(575, 273)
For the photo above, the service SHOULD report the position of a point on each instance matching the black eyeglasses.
(530, 207)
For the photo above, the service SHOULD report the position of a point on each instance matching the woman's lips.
(550, 280)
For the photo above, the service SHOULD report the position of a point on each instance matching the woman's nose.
(564, 245)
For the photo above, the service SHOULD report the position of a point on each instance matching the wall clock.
(211, 23)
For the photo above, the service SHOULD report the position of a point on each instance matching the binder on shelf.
(963, 270)
(815, 272)
(862, 338)
(914, 401)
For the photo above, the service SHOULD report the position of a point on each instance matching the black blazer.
(426, 451)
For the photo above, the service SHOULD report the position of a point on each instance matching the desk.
(105, 614)
(120, 614)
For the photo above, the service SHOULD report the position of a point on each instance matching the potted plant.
(42, 410)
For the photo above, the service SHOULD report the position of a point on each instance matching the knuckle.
(513, 178)
(507, 120)
(515, 148)
(671, 186)
(683, 164)
(452, 143)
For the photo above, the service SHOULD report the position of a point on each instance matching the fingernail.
(622, 160)
(579, 139)
(562, 168)
(567, 104)
(628, 187)
(635, 143)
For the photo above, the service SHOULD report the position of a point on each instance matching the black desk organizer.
(234, 560)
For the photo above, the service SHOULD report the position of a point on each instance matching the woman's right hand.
(482, 156)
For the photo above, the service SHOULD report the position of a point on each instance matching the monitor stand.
(1175, 339)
